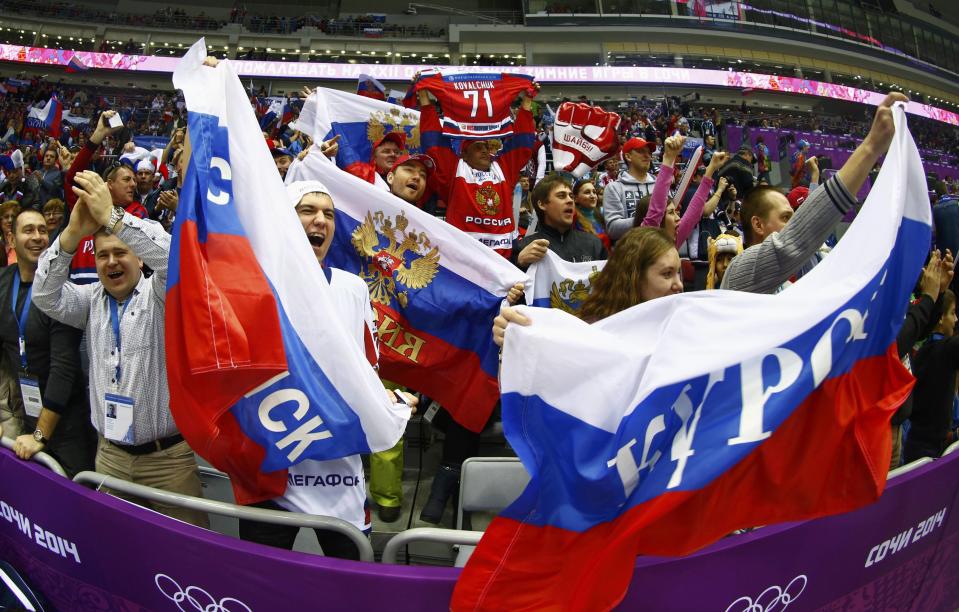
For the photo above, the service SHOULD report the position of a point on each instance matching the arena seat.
(487, 484)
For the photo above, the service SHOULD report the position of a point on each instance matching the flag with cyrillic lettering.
(671, 424)
(261, 370)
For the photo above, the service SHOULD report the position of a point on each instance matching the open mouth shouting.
(317, 239)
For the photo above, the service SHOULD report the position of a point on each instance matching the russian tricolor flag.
(370, 87)
(262, 374)
(46, 118)
(359, 122)
(712, 411)
(557, 283)
(76, 65)
(435, 291)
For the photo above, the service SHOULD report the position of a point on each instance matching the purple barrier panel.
(875, 558)
(87, 551)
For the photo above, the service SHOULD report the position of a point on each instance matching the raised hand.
(882, 130)
(93, 190)
(583, 137)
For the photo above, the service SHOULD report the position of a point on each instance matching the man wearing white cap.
(146, 179)
(16, 185)
(335, 487)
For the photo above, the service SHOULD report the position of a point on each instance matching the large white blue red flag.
(262, 374)
(47, 117)
(435, 291)
(557, 283)
(686, 435)
(359, 121)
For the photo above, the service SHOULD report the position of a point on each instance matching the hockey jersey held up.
(476, 105)
(479, 202)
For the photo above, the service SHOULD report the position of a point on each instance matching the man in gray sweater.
(621, 196)
(780, 243)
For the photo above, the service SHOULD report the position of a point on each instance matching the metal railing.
(905, 469)
(429, 534)
(276, 517)
(42, 458)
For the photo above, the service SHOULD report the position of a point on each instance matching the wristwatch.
(38, 436)
(115, 217)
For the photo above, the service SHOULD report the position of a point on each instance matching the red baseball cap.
(397, 137)
(797, 196)
(426, 160)
(638, 143)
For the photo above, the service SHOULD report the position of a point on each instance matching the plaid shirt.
(143, 360)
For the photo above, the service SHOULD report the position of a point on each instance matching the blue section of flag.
(709, 409)
(309, 407)
(448, 308)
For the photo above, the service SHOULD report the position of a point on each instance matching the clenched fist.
(583, 137)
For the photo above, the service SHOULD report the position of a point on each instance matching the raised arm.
(82, 161)
(436, 145)
(52, 293)
(148, 240)
(762, 268)
(657, 201)
(697, 205)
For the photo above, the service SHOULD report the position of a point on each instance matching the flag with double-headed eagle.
(435, 291)
(557, 283)
(359, 121)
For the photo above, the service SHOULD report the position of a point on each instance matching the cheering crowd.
(86, 219)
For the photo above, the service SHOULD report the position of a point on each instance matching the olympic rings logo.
(773, 599)
(194, 598)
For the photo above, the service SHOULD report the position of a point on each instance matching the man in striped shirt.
(780, 243)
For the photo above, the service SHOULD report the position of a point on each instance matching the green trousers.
(386, 476)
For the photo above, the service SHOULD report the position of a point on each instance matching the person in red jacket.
(478, 189)
(121, 180)
(385, 152)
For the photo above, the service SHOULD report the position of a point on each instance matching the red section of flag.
(223, 339)
(452, 376)
(830, 456)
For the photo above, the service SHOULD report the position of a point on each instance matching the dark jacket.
(51, 185)
(26, 191)
(53, 352)
(573, 245)
(935, 369)
(921, 319)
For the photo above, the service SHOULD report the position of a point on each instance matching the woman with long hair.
(589, 218)
(701, 205)
(644, 266)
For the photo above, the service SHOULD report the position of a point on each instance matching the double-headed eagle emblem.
(396, 119)
(396, 260)
(569, 295)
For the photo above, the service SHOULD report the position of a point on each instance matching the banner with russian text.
(685, 438)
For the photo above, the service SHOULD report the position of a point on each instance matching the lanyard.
(937, 337)
(115, 317)
(21, 317)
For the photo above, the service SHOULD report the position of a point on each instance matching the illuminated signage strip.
(607, 75)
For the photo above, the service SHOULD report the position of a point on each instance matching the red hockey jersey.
(476, 105)
(479, 202)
